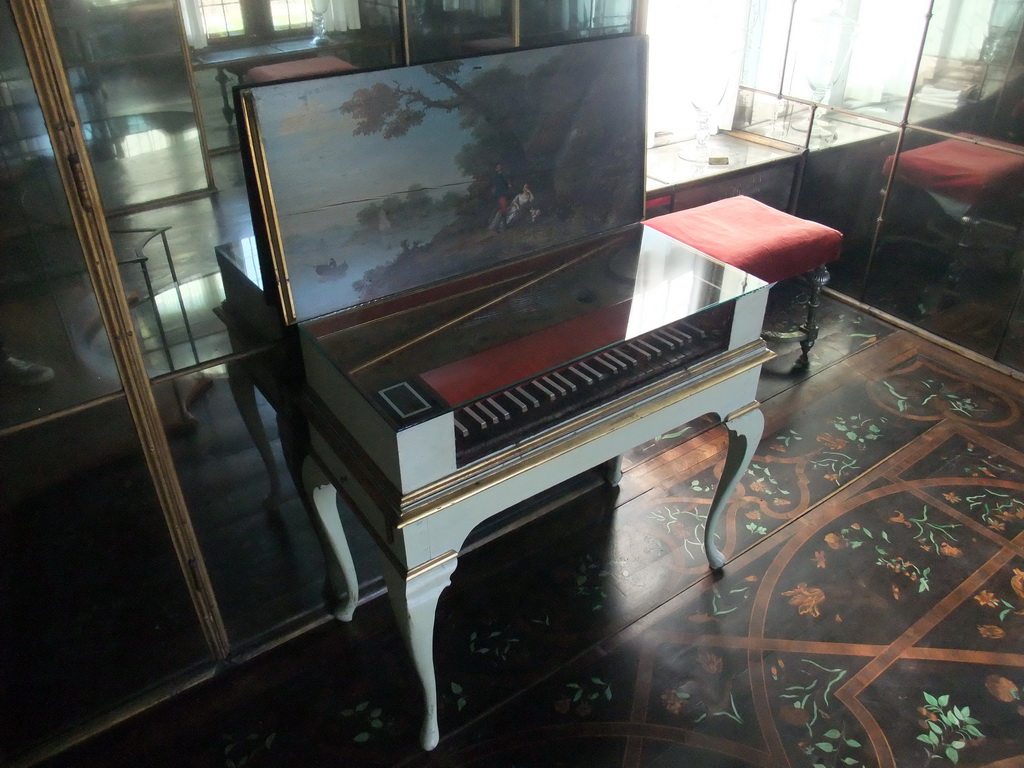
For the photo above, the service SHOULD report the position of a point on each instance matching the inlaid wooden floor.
(871, 613)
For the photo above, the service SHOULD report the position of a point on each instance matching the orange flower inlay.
(835, 541)
(1017, 582)
(991, 631)
(947, 549)
(831, 441)
(711, 662)
(1001, 688)
(899, 517)
(806, 599)
(987, 598)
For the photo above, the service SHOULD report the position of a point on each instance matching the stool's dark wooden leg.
(818, 278)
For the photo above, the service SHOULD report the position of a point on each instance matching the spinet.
(500, 368)
(505, 364)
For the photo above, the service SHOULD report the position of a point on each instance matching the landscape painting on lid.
(386, 181)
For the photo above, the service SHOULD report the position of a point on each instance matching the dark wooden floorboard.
(872, 612)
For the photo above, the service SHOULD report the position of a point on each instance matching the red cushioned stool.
(767, 243)
(289, 70)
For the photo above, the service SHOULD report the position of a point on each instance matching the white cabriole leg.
(613, 471)
(745, 429)
(414, 600)
(338, 554)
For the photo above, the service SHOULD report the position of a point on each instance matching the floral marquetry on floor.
(871, 612)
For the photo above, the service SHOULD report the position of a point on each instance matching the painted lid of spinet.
(373, 184)
(459, 349)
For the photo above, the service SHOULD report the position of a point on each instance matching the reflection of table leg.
(745, 428)
(414, 599)
(341, 568)
(228, 110)
(243, 390)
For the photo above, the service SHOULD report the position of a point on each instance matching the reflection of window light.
(138, 144)
(883, 26)
(485, 8)
(222, 19)
(197, 296)
(963, 26)
(250, 259)
(200, 294)
(23, 149)
(680, 293)
(665, 285)
(694, 46)
(290, 14)
(661, 303)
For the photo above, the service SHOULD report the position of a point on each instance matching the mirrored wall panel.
(542, 22)
(1011, 348)
(948, 254)
(96, 609)
(236, 439)
(54, 352)
(803, 124)
(842, 187)
(127, 66)
(939, 247)
(94, 602)
(370, 38)
(857, 55)
(768, 32)
(971, 78)
(767, 116)
(173, 279)
(448, 29)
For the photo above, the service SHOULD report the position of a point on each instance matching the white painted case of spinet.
(481, 314)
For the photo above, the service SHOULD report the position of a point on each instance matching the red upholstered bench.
(970, 173)
(288, 70)
(767, 243)
(971, 183)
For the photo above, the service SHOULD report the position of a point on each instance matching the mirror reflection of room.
(971, 77)
(923, 150)
(54, 353)
(899, 124)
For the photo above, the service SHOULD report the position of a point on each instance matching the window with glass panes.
(253, 18)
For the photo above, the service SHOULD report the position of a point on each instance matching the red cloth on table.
(286, 70)
(967, 172)
(767, 243)
(499, 367)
